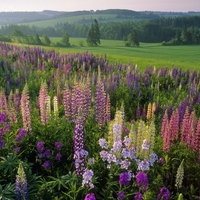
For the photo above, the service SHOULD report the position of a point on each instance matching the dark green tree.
(45, 40)
(37, 40)
(132, 39)
(65, 40)
(93, 36)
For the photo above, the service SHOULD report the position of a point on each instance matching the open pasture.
(148, 54)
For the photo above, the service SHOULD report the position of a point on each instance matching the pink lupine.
(3, 101)
(67, 103)
(185, 126)
(26, 115)
(191, 134)
(197, 139)
(164, 123)
(174, 125)
(43, 94)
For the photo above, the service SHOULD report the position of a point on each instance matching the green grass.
(148, 54)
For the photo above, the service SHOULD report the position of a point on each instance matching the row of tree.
(158, 30)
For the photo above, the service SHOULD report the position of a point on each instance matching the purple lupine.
(164, 194)
(161, 161)
(87, 178)
(47, 153)
(90, 196)
(125, 178)
(47, 164)
(79, 149)
(58, 156)
(120, 194)
(58, 146)
(40, 147)
(138, 196)
(142, 180)
(21, 134)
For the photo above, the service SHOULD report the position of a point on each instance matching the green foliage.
(45, 40)
(7, 192)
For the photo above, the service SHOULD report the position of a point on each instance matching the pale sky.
(75, 5)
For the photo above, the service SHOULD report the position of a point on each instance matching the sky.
(75, 5)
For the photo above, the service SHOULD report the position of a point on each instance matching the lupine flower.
(179, 175)
(40, 147)
(125, 164)
(161, 161)
(138, 196)
(2, 118)
(21, 184)
(153, 158)
(124, 178)
(91, 161)
(164, 194)
(103, 143)
(142, 179)
(26, 115)
(145, 145)
(47, 164)
(90, 196)
(2, 142)
(22, 133)
(79, 150)
(120, 194)
(17, 149)
(87, 178)
(58, 146)
(47, 153)
(143, 165)
(58, 156)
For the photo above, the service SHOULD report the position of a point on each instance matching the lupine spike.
(26, 115)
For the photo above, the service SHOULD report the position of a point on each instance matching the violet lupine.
(121, 195)
(125, 178)
(164, 194)
(90, 196)
(182, 108)
(142, 180)
(21, 134)
(138, 196)
(79, 149)
(21, 184)
(87, 178)
(77, 100)
(26, 115)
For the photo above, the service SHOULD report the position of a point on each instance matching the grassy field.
(151, 54)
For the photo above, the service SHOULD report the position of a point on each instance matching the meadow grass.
(148, 54)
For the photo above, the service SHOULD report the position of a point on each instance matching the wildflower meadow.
(74, 127)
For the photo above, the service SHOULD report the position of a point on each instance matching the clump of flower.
(90, 196)
(87, 179)
(164, 194)
(138, 196)
(58, 146)
(120, 194)
(124, 178)
(142, 180)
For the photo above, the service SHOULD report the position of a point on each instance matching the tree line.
(183, 30)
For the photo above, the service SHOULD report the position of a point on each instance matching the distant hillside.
(24, 17)
(51, 18)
